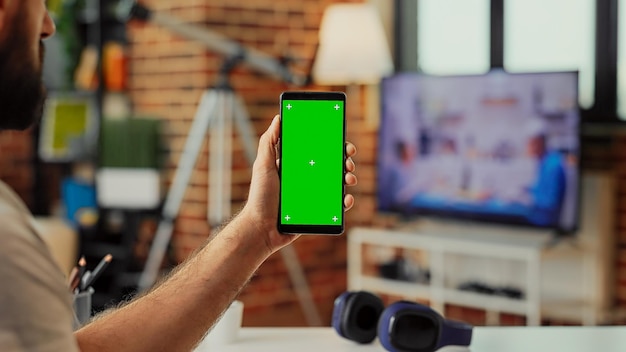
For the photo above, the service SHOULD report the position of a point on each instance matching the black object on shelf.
(401, 269)
(483, 288)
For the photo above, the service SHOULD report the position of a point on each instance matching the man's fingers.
(348, 202)
(350, 166)
(351, 180)
(269, 139)
(350, 149)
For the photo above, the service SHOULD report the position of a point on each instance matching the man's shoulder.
(10, 202)
(35, 294)
(15, 219)
(22, 247)
(16, 231)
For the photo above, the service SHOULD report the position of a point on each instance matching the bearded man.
(35, 304)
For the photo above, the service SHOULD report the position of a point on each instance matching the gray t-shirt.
(35, 303)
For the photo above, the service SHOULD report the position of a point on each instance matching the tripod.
(219, 107)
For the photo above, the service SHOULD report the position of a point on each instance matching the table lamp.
(352, 48)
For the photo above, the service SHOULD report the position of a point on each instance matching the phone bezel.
(310, 228)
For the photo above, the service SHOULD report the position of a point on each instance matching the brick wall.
(168, 76)
(619, 165)
(608, 154)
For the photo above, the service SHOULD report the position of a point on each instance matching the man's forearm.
(175, 315)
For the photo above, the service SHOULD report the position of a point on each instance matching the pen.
(98, 271)
(82, 264)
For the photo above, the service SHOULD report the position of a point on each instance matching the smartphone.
(312, 162)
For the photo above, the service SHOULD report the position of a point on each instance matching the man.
(548, 189)
(35, 305)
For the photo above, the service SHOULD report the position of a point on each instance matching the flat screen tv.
(498, 147)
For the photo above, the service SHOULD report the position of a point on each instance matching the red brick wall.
(606, 153)
(168, 76)
(619, 165)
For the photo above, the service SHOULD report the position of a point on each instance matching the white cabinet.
(569, 279)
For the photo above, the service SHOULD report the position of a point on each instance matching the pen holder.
(82, 307)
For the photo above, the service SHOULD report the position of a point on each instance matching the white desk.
(485, 339)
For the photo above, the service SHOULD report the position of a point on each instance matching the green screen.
(312, 162)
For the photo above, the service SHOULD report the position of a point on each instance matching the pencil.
(83, 281)
(98, 270)
(72, 279)
(82, 266)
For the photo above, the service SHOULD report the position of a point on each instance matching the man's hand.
(262, 205)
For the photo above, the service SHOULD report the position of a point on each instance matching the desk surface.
(485, 339)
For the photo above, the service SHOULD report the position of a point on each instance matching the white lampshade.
(353, 48)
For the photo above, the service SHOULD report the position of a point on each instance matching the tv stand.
(565, 279)
(558, 240)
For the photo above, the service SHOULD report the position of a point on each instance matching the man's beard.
(22, 93)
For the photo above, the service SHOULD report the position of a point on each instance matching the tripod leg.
(296, 274)
(246, 132)
(220, 162)
(177, 190)
(303, 291)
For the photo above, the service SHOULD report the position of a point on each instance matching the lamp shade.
(353, 48)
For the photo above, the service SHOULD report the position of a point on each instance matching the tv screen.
(497, 147)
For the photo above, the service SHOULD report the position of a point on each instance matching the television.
(497, 147)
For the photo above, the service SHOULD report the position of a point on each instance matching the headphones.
(403, 326)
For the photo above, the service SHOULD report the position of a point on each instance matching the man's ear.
(3, 9)
(6, 8)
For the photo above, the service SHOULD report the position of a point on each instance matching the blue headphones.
(403, 326)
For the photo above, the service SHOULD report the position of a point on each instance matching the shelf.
(574, 310)
(453, 258)
(458, 297)
(486, 302)
(568, 280)
(453, 239)
(396, 287)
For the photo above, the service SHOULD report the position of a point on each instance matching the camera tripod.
(219, 108)
(222, 106)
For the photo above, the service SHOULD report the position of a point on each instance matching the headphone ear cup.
(355, 315)
(339, 308)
